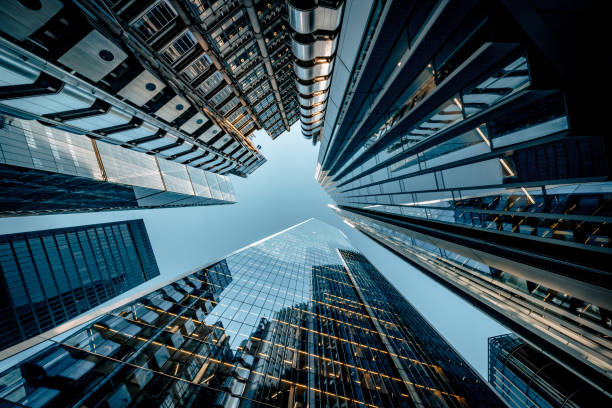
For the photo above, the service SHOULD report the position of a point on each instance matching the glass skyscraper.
(45, 170)
(526, 378)
(458, 136)
(49, 277)
(298, 319)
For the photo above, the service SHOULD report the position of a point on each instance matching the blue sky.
(281, 193)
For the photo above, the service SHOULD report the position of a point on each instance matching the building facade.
(459, 138)
(127, 77)
(298, 319)
(45, 170)
(188, 80)
(525, 377)
(133, 104)
(315, 32)
(49, 277)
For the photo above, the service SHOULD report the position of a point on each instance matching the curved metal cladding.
(316, 28)
(521, 374)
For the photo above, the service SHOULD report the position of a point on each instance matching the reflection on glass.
(444, 258)
(299, 319)
(179, 47)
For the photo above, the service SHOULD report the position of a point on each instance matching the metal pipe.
(143, 52)
(250, 8)
(312, 51)
(213, 57)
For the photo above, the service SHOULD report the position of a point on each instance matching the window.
(236, 114)
(197, 67)
(229, 106)
(272, 120)
(268, 112)
(240, 60)
(264, 103)
(252, 77)
(259, 92)
(242, 121)
(231, 31)
(211, 82)
(154, 20)
(222, 95)
(210, 11)
(179, 47)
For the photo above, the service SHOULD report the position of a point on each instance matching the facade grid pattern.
(284, 322)
(52, 276)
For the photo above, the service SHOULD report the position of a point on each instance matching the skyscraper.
(142, 77)
(525, 377)
(297, 319)
(460, 139)
(49, 277)
(44, 170)
(123, 104)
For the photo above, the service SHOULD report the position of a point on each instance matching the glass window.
(259, 92)
(179, 47)
(175, 177)
(231, 104)
(197, 67)
(240, 60)
(125, 166)
(155, 19)
(252, 77)
(231, 31)
(222, 95)
(212, 82)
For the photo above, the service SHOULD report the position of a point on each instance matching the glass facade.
(531, 309)
(526, 378)
(39, 164)
(298, 319)
(444, 147)
(52, 276)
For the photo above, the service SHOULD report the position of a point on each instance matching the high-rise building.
(137, 74)
(524, 377)
(298, 319)
(44, 170)
(460, 137)
(201, 76)
(143, 96)
(49, 277)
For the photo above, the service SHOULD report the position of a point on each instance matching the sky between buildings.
(281, 193)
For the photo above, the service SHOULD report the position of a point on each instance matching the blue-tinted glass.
(52, 276)
(299, 319)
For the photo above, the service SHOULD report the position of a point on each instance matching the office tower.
(49, 277)
(204, 74)
(45, 170)
(140, 98)
(314, 43)
(525, 377)
(462, 141)
(297, 319)
(142, 77)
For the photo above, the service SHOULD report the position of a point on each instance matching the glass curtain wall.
(298, 319)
